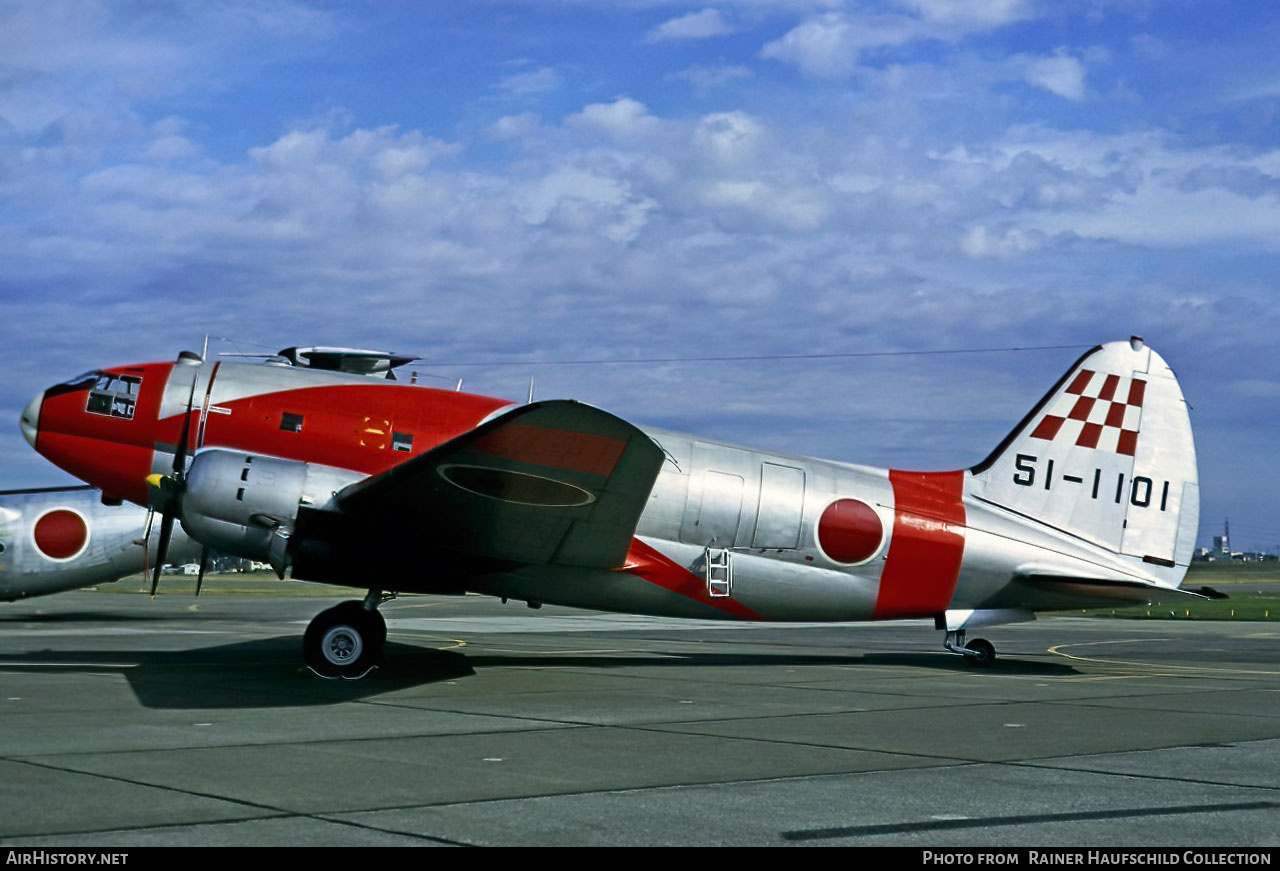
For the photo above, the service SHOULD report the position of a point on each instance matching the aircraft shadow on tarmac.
(85, 617)
(266, 673)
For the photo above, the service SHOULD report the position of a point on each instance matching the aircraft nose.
(31, 419)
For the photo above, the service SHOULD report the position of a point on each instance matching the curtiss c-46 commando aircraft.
(320, 462)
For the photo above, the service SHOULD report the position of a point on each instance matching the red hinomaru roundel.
(60, 534)
(850, 531)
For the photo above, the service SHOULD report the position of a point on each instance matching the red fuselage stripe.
(656, 567)
(923, 565)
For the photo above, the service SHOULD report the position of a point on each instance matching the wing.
(552, 482)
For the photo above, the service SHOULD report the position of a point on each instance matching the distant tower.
(1222, 543)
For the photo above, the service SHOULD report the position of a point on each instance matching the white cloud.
(970, 14)
(824, 47)
(581, 201)
(1061, 74)
(537, 81)
(981, 242)
(515, 126)
(730, 137)
(60, 58)
(828, 45)
(705, 79)
(622, 119)
(171, 148)
(693, 25)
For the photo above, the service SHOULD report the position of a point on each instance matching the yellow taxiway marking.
(1163, 669)
(453, 644)
(406, 607)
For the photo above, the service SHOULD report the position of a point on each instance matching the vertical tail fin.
(1107, 455)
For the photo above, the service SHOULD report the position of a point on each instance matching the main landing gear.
(347, 640)
(979, 651)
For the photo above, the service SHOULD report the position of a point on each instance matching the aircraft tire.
(345, 641)
(984, 652)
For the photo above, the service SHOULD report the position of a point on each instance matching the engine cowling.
(247, 504)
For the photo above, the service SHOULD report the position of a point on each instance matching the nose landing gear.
(347, 640)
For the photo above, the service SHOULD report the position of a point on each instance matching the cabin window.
(401, 441)
(291, 422)
(114, 395)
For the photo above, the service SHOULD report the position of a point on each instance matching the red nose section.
(102, 426)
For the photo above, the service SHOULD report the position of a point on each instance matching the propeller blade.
(180, 455)
(165, 492)
(204, 564)
(145, 541)
(166, 530)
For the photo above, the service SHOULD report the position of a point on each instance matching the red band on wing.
(925, 553)
(555, 448)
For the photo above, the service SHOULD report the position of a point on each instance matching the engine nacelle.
(246, 504)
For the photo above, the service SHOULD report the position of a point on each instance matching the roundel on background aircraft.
(60, 534)
(850, 531)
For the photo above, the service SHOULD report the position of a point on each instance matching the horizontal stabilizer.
(1132, 590)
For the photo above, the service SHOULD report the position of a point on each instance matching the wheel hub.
(341, 645)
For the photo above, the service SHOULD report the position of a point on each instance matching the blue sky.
(542, 180)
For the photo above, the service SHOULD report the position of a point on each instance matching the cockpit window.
(79, 380)
(73, 385)
(114, 395)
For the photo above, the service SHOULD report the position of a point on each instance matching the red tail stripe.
(923, 565)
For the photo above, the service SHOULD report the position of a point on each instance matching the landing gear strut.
(978, 652)
(347, 640)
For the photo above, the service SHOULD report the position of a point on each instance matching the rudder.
(1108, 456)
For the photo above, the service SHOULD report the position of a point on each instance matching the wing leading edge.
(554, 482)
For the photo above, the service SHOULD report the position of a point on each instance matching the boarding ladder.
(719, 570)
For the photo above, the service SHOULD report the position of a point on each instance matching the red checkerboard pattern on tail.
(1098, 411)
(1078, 464)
